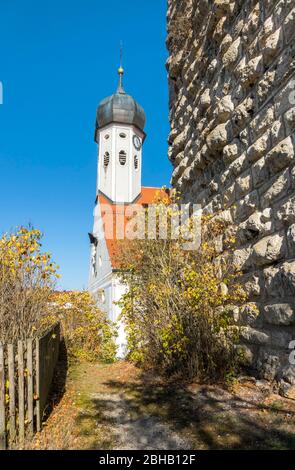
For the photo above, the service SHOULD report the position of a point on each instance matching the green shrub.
(87, 333)
(178, 307)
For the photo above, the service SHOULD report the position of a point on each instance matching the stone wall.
(231, 68)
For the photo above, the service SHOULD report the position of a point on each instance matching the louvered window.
(106, 159)
(122, 157)
(136, 162)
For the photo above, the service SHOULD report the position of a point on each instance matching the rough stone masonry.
(232, 111)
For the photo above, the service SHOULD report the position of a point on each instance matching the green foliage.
(88, 335)
(178, 307)
(27, 277)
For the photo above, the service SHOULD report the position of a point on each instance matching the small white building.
(120, 135)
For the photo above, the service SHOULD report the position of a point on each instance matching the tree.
(178, 306)
(27, 278)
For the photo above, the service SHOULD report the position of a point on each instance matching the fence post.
(37, 391)
(30, 387)
(2, 400)
(21, 392)
(26, 385)
(11, 379)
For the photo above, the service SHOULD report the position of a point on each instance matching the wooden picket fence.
(26, 373)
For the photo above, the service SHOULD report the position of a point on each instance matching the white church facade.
(120, 137)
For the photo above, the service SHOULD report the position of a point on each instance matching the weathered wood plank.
(48, 356)
(30, 389)
(21, 392)
(2, 401)
(37, 385)
(11, 380)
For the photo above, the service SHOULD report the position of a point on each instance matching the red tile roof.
(111, 213)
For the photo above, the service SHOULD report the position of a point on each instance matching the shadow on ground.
(146, 413)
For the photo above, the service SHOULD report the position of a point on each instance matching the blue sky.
(59, 58)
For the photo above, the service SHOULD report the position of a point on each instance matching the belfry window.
(122, 157)
(136, 162)
(106, 159)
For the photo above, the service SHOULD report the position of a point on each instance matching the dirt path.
(132, 431)
(115, 407)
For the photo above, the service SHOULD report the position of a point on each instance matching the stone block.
(219, 137)
(232, 55)
(229, 196)
(260, 173)
(265, 86)
(280, 281)
(289, 118)
(238, 166)
(252, 284)
(272, 45)
(255, 226)
(205, 99)
(225, 43)
(246, 207)
(269, 249)
(262, 122)
(285, 212)
(268, 364)
(280, 314)
(243, 184)
(275, 189)
(241, 259)
(253, 336)
(260, 147)
(281, 156)
(277, 131)
(232, 151)
(243, 113)
(224, 109)
(251, 71)
(285, 98)
(289, 26)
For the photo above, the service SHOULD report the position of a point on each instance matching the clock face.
(136, 142)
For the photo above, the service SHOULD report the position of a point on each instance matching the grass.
(209, 417)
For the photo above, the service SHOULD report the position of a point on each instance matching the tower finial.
(121, 70)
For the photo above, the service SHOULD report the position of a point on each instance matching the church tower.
(120, 135)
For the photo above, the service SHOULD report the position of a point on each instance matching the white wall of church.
(103, 266)
(119, 163)
(105, 285)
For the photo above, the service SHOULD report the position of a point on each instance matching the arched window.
(106, 159)
(136, 162)
(122, 157)
(122, 135)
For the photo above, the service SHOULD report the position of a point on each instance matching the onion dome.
(120, 108)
